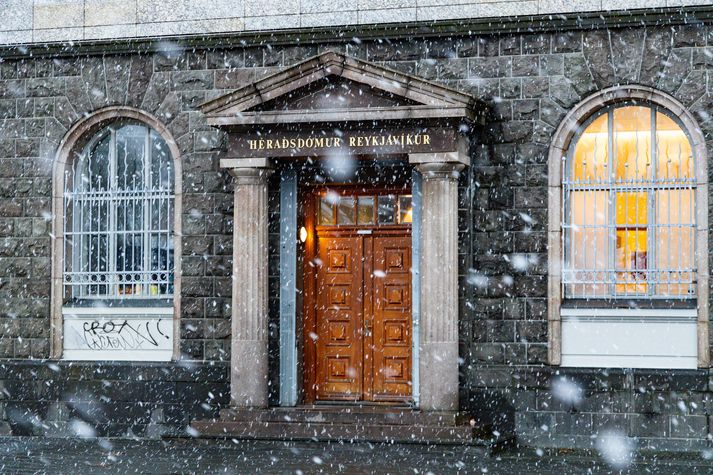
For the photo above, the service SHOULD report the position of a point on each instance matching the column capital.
(245, 163)
(460, 155)
(440, 170)
(247, 171)
(250, 176)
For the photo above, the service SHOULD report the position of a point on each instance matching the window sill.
(629, 338)
(127, 304)
(85, 312)
(118, 333)
(631, 304)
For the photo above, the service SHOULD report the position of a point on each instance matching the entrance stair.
(361, 423)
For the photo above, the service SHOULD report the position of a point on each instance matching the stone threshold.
(358, 423)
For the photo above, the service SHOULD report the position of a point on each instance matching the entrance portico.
(327, 106)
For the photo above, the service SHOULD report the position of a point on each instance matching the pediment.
(332, 87)
(334, 92)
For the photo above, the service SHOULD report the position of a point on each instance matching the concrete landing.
(349, 423)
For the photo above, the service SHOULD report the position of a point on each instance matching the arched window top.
(124, 155)
(628, 206)
(631, 143)
(118, 223)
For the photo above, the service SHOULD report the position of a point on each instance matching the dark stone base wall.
(63, 399)
(529, 81)
(662, 410)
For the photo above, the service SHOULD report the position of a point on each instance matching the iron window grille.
(629, 207)
(118, 222)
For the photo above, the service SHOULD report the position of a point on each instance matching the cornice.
(347, 33)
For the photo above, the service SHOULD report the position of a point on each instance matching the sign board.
(118, 334)
(290, 143)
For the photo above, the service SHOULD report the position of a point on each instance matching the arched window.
(627, 234)
(628, 207)
(118, 219)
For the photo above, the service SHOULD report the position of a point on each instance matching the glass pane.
(631, 209)
(591, 155)
(675, 157)
(161, 164)
(632, 142)
(326, 211)
(97, 175)
(587, 240)
(675, 242)
(405, 211)
(631, 242)
(631, 255)
(130, 159)
(366, 210)
(346, 210)
(387, 209)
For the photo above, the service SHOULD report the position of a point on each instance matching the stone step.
(346, 415)
(318, 431)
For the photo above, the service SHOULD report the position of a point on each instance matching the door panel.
(391, 319)
(363, 322)
(339, 316)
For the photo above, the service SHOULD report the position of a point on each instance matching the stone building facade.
(527, 81)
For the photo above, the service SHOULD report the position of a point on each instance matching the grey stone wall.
(529, 81)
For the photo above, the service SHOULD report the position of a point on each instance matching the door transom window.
(363, 209)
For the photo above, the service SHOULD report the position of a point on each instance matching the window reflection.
(366, 210)
(386, 209)
(346, 210)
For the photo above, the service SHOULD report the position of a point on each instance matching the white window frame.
(565, 322)
(84, 278)
(609, 277)
(71, 147)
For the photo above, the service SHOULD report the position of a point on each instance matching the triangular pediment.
(334, 92)
(335, 87)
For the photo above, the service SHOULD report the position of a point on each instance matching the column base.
(248, 374)
(438, 371)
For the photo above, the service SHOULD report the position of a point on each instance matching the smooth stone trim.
(438, 353)
(69, 146)
(249, 324)
(561, 142)
(679, 15)
(288, 288)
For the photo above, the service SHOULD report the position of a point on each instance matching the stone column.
(438, 364)
(248, 346)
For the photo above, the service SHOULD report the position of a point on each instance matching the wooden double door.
(362, 328)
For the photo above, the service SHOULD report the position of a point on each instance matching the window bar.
(564, 220)
(89, 205)
(82, 245)
(681, 230)
(612, 278)
(112, 183)
(170, 256)
(68, 290)
(594, 179)
(652, 222)
(147, 205)
(584, 218)
(692, 230)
